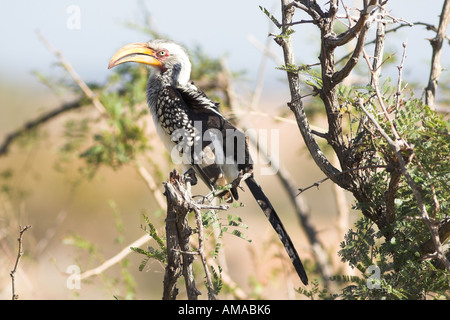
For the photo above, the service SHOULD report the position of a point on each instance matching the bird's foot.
(241, 177)
(190, 177)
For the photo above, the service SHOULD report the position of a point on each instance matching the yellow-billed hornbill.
(193, 130)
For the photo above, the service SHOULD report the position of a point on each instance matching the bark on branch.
(436, 44)
(296, 104)
(178, 231)
(180, 256)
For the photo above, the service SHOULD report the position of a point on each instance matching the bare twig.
(318, 183)
(83, 86)
(347, 14)
(198, 219)
(399, 82)
(380, 99)
(297, 22)
(15, 296)
(352, 32)
(395, 29)
(115, 259)
(379, 43)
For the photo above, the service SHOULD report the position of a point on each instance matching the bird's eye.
(162, 53)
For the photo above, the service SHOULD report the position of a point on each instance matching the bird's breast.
(171, 120)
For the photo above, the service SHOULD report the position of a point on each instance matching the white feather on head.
(177, 62)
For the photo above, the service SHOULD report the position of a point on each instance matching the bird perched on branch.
(196, 133)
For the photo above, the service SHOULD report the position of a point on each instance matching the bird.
(195, 132)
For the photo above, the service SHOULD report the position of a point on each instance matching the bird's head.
(169, 59)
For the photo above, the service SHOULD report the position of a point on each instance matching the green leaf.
(270, 16)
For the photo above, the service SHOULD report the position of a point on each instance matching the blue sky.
(220, 27)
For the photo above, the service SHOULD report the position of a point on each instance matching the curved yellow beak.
(135, 52)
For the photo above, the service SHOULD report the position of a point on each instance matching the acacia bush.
(392, 148)
(393, 151)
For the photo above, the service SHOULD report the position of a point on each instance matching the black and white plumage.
(195, 132)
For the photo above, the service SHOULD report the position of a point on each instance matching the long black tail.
(275, 221)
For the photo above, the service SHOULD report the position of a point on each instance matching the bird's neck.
(175, 75)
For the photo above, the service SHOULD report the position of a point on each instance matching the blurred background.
(84, 222)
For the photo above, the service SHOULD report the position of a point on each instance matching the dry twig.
(15, 296)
